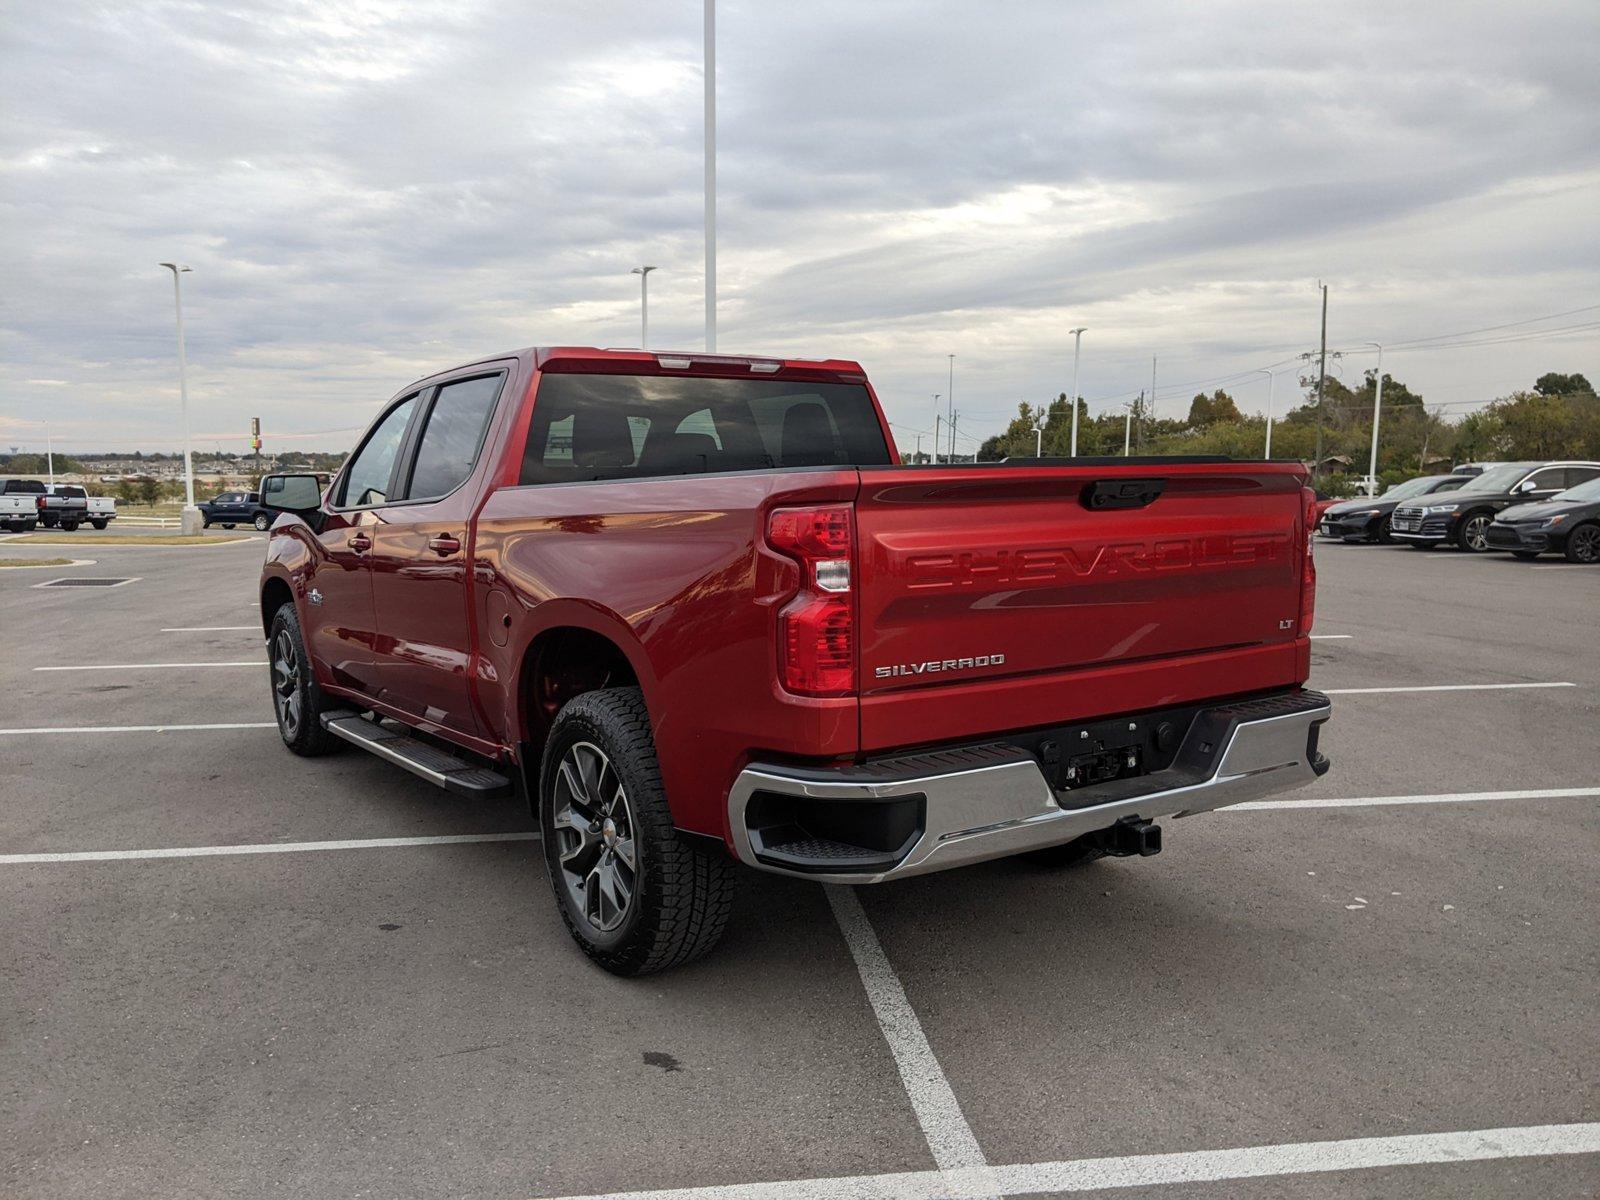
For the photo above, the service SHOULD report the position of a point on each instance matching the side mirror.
(299, 494)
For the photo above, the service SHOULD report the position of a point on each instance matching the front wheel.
(297, 701)
(1583, 544)
(636, 895)
(263, 522)
(1474, 533)
(1385, 537)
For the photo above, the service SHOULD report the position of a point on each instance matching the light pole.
(1127, 430)
(50, 455)
(1038, 436)
(711, 173)
(1077, 341)
(1377, 411)
(644, 305)
(191, 514)
(1267, 453)
(937, 417)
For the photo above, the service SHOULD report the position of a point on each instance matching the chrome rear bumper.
(993, 800)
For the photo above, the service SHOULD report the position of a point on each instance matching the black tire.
(1384, 537)
(1079, 852)
(227, 524)
(1583, 544)
(297, 701)
(1525, 555)
(1473, 535)
(205, 524)
(262, 522)
(69, 526)
(99, 524)
(679, 893)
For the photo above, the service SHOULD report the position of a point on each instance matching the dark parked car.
(1366, 520)
(236, 508)
(1464, 516)
(1567, 524)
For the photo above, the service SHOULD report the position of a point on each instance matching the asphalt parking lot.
(1303, 998)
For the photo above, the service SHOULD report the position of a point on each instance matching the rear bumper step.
(947, 808)
(438, 767)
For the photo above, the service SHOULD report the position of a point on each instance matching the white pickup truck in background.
(19, 504)
(68, 505)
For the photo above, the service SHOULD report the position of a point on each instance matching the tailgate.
(1019, 596)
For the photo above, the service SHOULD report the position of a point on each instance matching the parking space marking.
(1565, 567)
(1331, 637)
(1437, 687)
(213, 629)
(1148, 1170)
(934, 1102)
(136, 728)
(1439, 798)
(150, 666)
(449, 839)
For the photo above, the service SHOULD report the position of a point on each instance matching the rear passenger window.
(367, 480)
(452, 436)
(1577, 475)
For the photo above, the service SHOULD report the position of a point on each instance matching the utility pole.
(1152, 412)
(917, 457)
(1322, 376)
(950, 397)
(711, 174)
(1077, 343)
(937, 417)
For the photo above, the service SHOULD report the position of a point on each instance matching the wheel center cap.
(608, 831)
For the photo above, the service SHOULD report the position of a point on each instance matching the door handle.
(444, 544)
(360, 542)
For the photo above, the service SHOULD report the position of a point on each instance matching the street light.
(1377, 411)
(191, 514)
(1267, 453)
(644, 305)
(711, 173)
(1077, 341)
(1127, 431)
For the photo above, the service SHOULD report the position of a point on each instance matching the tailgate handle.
(1122, 493)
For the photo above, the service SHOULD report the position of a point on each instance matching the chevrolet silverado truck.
(696, 611)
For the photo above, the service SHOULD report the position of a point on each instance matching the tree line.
(1559, 417)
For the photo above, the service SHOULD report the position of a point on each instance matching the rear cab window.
(596, 426)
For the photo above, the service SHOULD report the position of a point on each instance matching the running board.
(438, 767)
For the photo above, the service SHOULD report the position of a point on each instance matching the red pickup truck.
(695, 609)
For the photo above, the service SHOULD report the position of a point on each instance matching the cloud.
(369, 191)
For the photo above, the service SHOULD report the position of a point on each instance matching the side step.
(438, 767)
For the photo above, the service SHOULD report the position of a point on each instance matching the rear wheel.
(297, 701)
(99, 524)
(70, 526)
(1583, 544)
(636, 895)
(1473, 535)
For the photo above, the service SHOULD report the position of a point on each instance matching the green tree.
(1554, 384)
(1209, 410)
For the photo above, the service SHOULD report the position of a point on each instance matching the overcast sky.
(370, 191)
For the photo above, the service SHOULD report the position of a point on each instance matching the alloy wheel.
(286, 684)
(595, 837)
(1585, 542)
(1476, 533)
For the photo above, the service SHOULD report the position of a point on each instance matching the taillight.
(1308, 573)
(40, 503)
(816, 630)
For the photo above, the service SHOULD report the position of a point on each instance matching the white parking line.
(151, 666)
(1441, 687)
(1146, 1170)
(949, 1137)
(1331, 637)
(452, 839)
(1440, 798)
(1565, 567)
(213, 629)
(136, 728)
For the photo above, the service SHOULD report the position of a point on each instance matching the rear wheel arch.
(560, 664)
